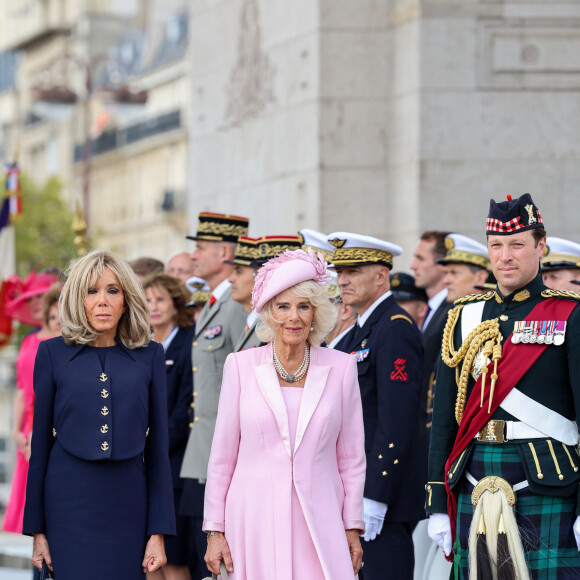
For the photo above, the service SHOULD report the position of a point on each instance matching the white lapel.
(313, 389)
(270, 387)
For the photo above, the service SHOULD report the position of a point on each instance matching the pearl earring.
(312, 326)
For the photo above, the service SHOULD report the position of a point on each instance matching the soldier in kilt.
(504, 470)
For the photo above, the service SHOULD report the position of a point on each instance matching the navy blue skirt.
(96, 517)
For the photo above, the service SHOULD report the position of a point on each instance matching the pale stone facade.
(385, 117)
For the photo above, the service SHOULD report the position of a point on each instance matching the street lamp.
(60, 98)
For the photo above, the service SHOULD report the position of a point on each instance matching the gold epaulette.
(474, 297)
(485, 337)
(402, 317)
(561, 294)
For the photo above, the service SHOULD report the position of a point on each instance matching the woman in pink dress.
(284, 492)
(43, 307)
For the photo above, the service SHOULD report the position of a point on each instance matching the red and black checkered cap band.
(496, 226)
(515, 225)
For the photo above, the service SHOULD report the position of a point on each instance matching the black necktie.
(424, 325)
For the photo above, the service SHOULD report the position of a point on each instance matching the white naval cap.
(199, 289)
(358, 250)
(317, 241)
(561, 254)
(464, 250)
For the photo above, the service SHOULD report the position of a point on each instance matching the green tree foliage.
(43, 233)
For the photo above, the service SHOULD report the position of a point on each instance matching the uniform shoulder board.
(475, 298)
(402, 317)
(566, 294)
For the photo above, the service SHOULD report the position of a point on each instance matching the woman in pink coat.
(284, 493)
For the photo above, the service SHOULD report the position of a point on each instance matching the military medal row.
(539, 331)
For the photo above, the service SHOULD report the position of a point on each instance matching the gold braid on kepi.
(485, 336)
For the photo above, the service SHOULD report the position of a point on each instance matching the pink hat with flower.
(19, 291)
(285, 271)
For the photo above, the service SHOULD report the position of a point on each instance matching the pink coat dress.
(254, 470)
(24, 370)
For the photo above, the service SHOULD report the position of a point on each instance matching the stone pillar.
(289, 113)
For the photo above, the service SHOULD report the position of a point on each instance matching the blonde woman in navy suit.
(99, 496)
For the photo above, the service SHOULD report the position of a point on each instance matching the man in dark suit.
(387, 345)
(429, 276)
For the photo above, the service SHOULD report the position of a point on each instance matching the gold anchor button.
(103, 377)
(104, 446)
(104, 393)
(105, 429)
(104, 411)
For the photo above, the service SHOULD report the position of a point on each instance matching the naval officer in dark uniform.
(387, 345)
(99, 498)
(506, 442)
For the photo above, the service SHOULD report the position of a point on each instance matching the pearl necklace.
(299, 374)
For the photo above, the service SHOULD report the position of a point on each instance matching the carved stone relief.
(251, 86)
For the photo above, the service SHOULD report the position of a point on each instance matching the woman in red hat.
(35, 305)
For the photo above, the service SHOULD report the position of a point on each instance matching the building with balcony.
(82, 53)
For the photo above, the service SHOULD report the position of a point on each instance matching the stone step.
(15, 551)
(15, 574)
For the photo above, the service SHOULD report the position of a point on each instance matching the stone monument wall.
(384, 117)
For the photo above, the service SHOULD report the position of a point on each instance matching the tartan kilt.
(545, 522)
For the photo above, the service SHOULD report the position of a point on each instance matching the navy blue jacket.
(179, 397)
(97, 416)
(390, 356)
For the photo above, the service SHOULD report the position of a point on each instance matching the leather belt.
(498, 431)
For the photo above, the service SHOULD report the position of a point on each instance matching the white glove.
(576, 528)
(439, 531)
(374, 515)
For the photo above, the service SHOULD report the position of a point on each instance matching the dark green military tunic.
(553, 381)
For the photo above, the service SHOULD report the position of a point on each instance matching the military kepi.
(358, 250)
(513, 216)
(254, 252)
(220, 227)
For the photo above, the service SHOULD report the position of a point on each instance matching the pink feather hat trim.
(285, 271)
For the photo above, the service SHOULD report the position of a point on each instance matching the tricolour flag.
(11, 207)
(12, 204)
